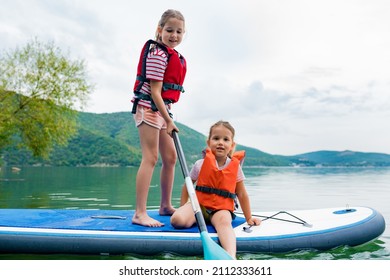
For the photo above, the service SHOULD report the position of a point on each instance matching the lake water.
(270, 189)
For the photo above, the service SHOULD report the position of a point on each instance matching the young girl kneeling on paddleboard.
(219, 180)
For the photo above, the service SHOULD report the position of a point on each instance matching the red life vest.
(173, 77)
(216, 189)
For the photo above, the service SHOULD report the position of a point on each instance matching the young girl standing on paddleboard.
(219, 180)
(160, 76)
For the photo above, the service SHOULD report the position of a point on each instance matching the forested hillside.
(112, 140)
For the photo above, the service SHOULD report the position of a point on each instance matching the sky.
(291, 76)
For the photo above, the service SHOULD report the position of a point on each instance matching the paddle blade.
(211, 250)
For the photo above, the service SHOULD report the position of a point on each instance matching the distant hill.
(112, 140)
(343, 158)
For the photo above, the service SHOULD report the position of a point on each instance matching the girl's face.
(221, 142)
(172, 32)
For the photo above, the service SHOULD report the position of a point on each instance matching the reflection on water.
(270, 189)
(76, 188)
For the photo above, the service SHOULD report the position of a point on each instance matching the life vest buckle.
(167, 86)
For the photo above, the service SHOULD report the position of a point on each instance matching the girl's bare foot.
(146, 221)
(166, 211)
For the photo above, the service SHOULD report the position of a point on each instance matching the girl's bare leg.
(149, 138)
(168, 156)
(222, 221)
(183, 217)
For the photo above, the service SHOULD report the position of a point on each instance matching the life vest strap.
(167, 86)
(142, 96)
(216, 191)
(142, 79)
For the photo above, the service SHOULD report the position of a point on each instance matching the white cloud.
(292, 76)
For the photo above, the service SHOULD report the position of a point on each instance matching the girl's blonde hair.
(165, 17)
(226, 125)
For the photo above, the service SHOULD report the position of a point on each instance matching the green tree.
(40, 91)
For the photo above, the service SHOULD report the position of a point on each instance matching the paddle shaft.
(189, 185)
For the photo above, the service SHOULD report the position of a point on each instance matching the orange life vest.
(216, 189)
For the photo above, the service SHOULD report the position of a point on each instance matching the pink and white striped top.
(156, 63)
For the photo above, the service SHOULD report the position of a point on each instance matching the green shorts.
(207, 214)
